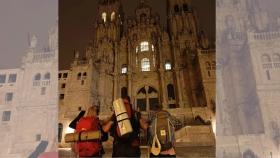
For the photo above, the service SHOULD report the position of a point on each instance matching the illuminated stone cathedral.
(136, 56)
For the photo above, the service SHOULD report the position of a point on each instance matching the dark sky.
(76, 18)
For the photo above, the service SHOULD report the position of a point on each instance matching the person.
(161, 133)
(90, 122)
(129, 145)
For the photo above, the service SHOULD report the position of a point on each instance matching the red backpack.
(88, 148)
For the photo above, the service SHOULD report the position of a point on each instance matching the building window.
(59, 75)
(276, 58)
(268, 75)
(79, 76)
(113, 15)
(153, 48)
(37, 77)
(265, 58)
(61, 96)
(85, 74)
(6, 116)
(124, 69)
(43, 90)
(9, 97)
(63, 85)
(82, 82)
(80, 108)
(185, 7)
(104, 16)
(47, 76)
(144, 46)
(136, 49)
(12, 78)
(2, 78)
(38, 137)
(168, 66)
(176, 8)
(60, 130)
(145, 64)
(170, 92)
(65, 75)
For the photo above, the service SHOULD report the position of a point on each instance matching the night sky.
(77, 16)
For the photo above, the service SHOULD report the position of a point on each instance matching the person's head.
(126, 99)
(93, 111)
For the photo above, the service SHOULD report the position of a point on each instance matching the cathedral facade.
(136, 56)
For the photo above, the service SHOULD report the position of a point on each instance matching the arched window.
(113, 15)
(124, 69)
(170, 92)
(104, 16)
(85, 74)
(79, 76)
(168, 66)
(185, 7)
(136, 49)
(145, 64)
(176, 8)
(144, 46)
(153, 48)
(265, 58)
(208, 65)
(124, 92)
(47, 76)
(276, 58)
(37, 77)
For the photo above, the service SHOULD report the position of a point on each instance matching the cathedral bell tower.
(108, 31)
(182, 18)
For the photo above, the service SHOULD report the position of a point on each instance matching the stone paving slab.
(182, 152)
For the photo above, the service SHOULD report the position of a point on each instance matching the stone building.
(247, 80)
(28, 99)
(136, 56)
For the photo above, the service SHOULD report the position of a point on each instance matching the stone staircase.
(200, 135)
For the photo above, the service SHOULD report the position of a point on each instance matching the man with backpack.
(162, 134)
(90, 122)
(128, 145)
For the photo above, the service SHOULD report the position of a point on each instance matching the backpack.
(88, 148)
(162, 132)
(127, 138)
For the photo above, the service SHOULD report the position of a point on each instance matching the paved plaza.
(182, 152)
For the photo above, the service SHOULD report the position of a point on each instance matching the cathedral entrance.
(147, 98)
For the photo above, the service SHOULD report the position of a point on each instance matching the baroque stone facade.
(29, 102)
(136, 56)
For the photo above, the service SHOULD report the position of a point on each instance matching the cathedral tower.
(108, 31)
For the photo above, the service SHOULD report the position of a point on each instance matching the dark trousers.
(126, 150)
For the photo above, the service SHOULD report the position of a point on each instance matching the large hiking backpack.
(88, 148)
(162, 132)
